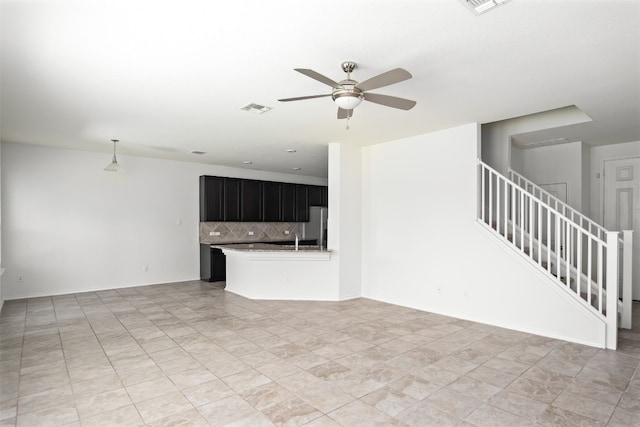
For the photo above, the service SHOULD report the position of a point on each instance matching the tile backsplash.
(238, 232)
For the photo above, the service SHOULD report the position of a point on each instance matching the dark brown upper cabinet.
(211, 198)
(232, 199)
(317, 195)
(235, 199)
(251, 200)
(272, 201)
(288, 202)
(302, 203)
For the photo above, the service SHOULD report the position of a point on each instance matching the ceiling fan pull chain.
(347, 127)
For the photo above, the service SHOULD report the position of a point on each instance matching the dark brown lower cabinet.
(212, 264)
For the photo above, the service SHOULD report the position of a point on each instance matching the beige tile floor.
(192, 354)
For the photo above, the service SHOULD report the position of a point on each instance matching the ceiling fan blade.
(319, 77)
(390, 101)
(385, 79)
(300, 98)
(344, 114)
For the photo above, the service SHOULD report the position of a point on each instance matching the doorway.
(622, 205)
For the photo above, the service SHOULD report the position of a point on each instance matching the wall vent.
(479, 7)
(256, 108)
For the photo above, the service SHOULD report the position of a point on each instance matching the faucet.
(296, 241)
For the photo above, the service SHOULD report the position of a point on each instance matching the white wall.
(554, 164)
(68, 226)
(586, 180)
(496, 136)
(422, 246)
(345, 214)
(517, 159)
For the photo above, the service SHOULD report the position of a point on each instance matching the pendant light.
(114, 166)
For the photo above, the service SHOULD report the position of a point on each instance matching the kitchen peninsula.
(266, 271)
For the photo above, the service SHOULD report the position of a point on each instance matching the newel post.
(612, 290)
(627, 278)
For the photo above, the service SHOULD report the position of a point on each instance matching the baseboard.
(84, 290)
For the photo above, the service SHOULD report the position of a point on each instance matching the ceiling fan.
(348, 94)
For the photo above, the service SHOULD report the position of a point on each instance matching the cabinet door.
(251, 200)
(211, 198)
(205, 262)
(231, 199)
(302, 203)
(272, 201)
(288, 202)
(317, 195)
(218, 265)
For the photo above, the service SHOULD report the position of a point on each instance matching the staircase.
(572, 251)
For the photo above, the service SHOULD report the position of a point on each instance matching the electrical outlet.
(178, 221)
(466, 293)
(145, 267)
(251, 233)
(214, 233)
(20, 279)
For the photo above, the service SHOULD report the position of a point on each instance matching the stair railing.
(559, 246)
(625, 242)
(558, 204)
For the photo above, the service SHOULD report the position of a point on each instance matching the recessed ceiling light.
(248, 162)
(290, 150)
(297, 169)
(256, 108)
(198, 152)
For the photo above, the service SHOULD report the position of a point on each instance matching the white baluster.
(578, 260)
(600, 276)
(558, 250)
(483, 201)
(490, 198)
(589, 267)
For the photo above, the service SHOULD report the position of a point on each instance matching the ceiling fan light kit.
(347, 99)
(348, 93)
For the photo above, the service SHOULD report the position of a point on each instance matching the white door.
(622, 205)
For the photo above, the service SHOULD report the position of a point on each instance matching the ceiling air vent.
(481, 6)
(256, 108)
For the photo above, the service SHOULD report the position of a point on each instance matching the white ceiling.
(168, 77)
